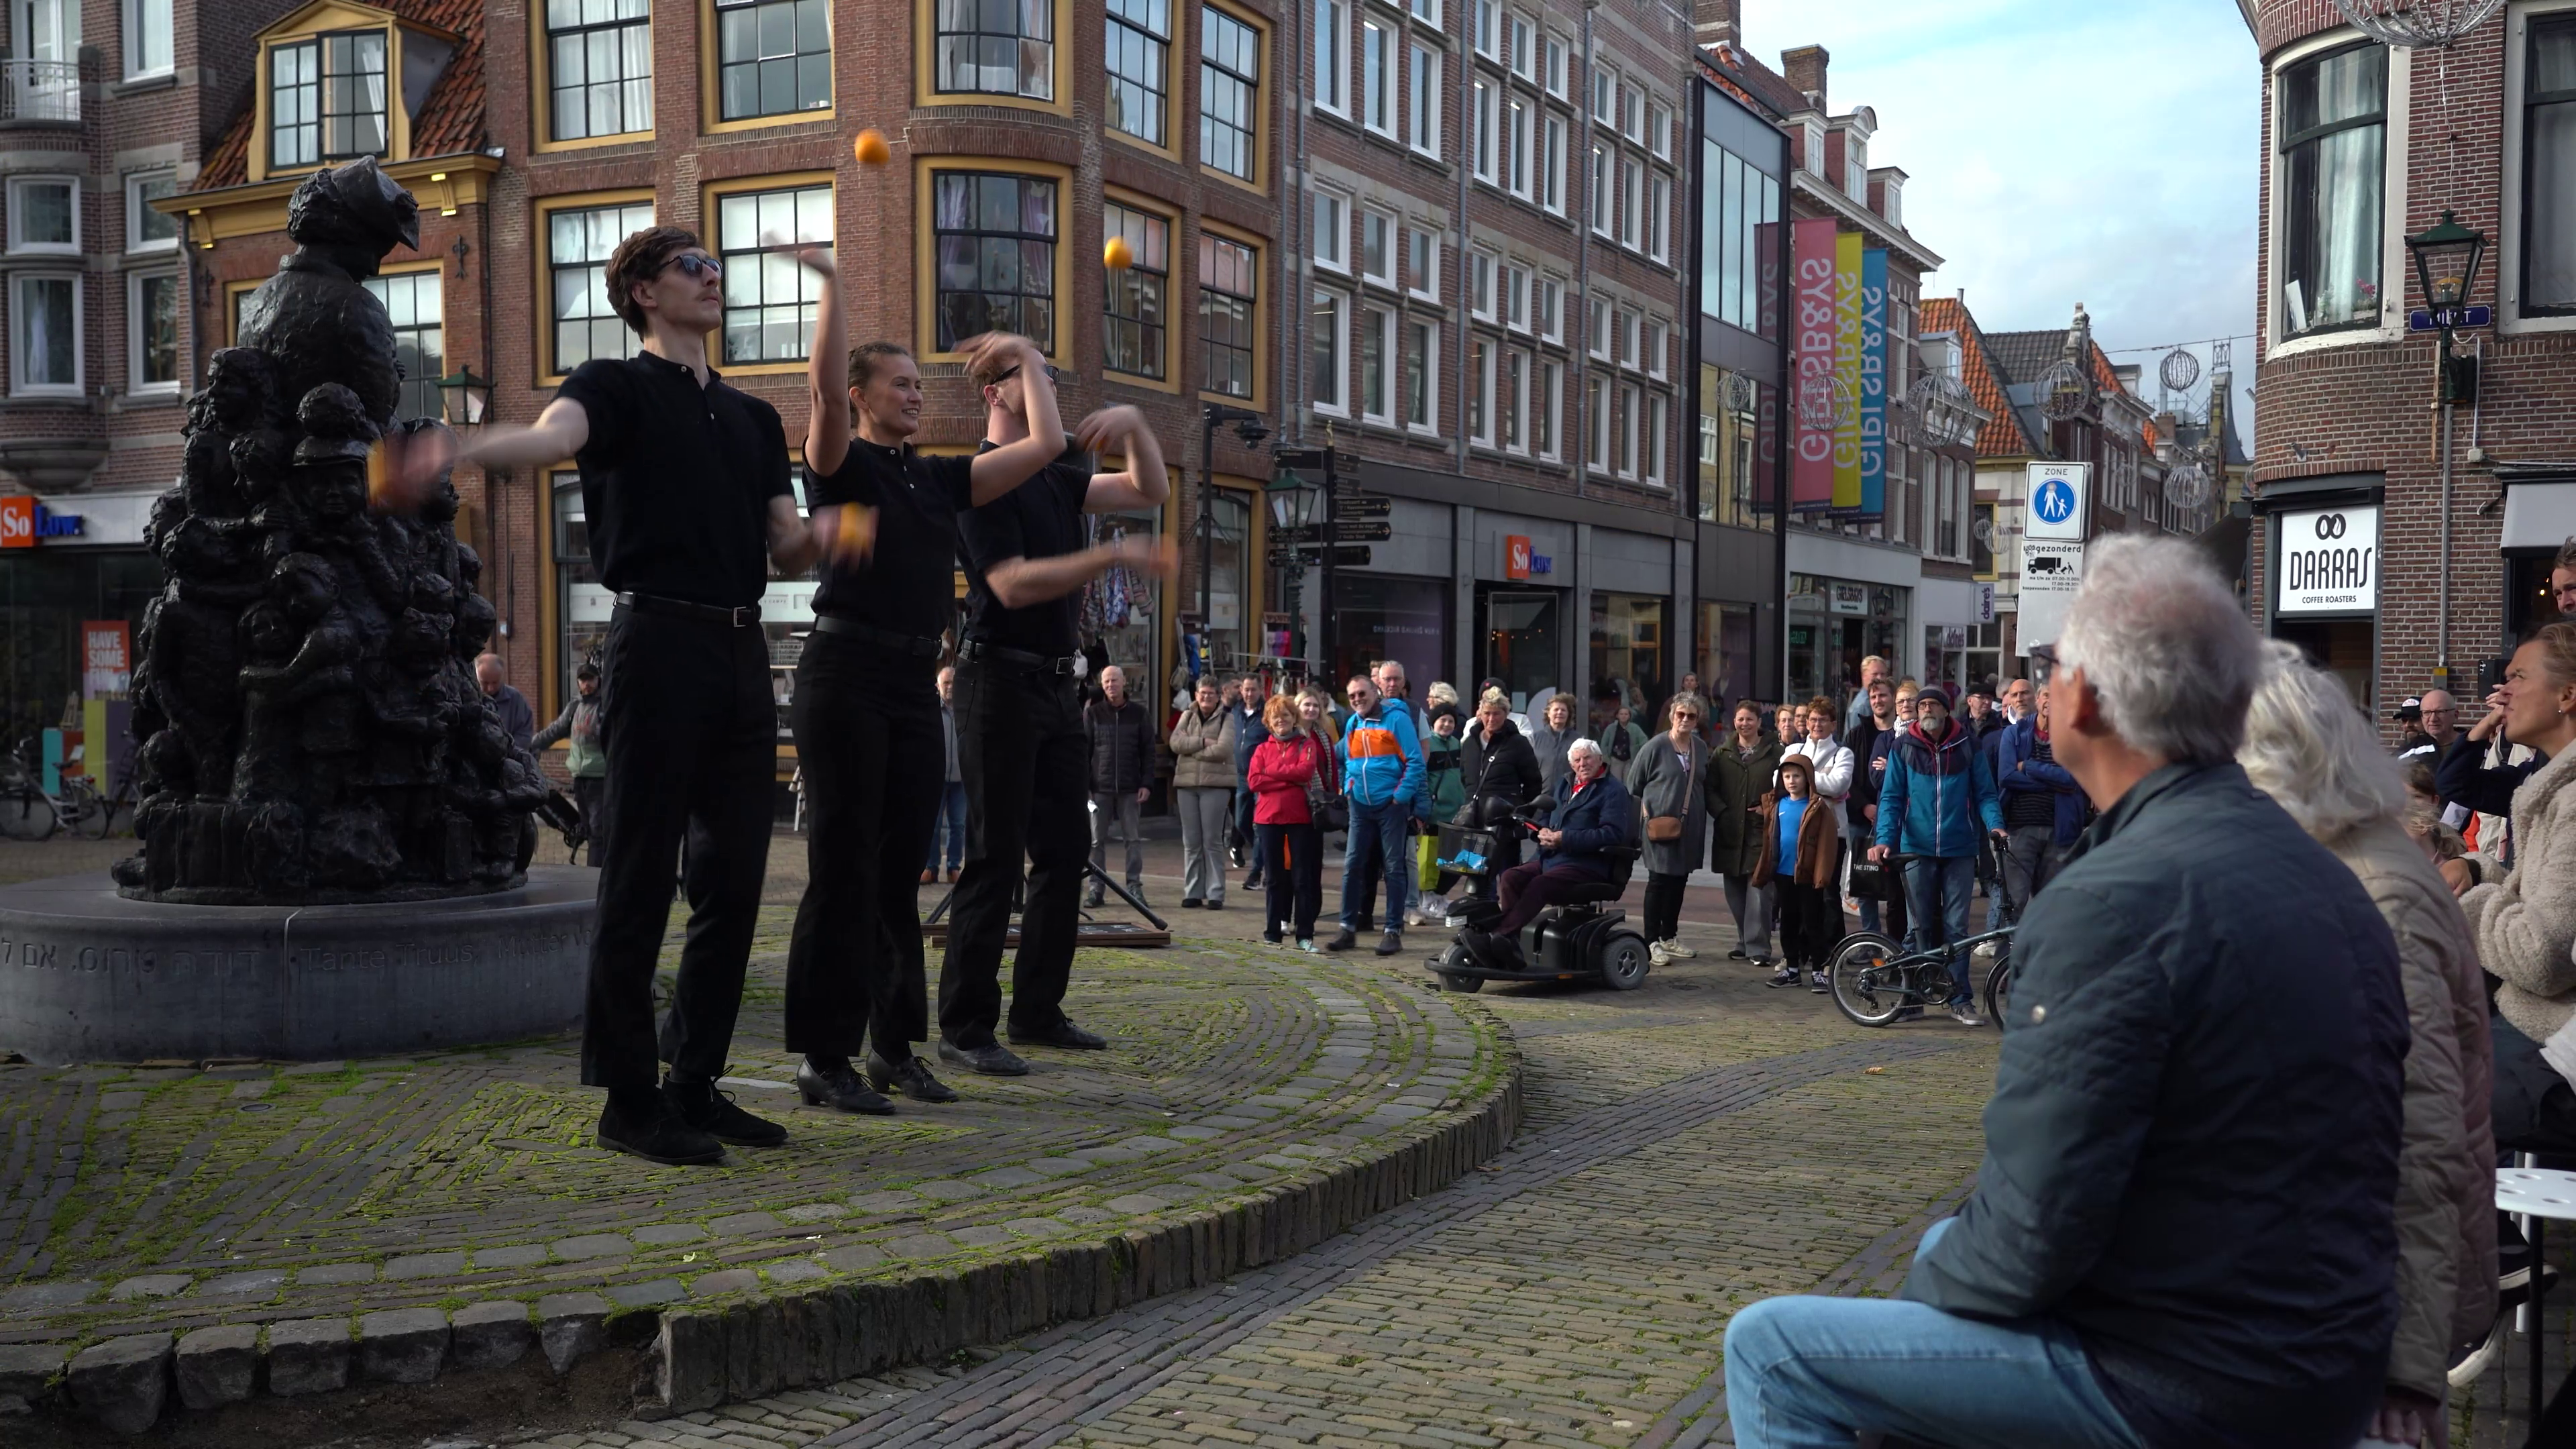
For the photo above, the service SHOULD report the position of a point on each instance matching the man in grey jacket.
(2183, 1233)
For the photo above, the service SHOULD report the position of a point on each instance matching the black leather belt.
(984, 650)
(900, 643)
(746, 617)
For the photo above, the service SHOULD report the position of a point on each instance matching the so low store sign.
(23, 520)
(2329, 562)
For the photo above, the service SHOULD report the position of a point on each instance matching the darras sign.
(2329, 562)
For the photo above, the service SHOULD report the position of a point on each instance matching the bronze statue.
(304, 700)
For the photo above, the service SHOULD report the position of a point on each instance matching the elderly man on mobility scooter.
(1586, 850)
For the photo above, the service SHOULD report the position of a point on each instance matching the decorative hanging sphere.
(1826, 403)
(2187, 486)
(2179, 370)
(2407, 24)
(2064, 391)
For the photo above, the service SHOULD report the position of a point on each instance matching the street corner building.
(2416, 347)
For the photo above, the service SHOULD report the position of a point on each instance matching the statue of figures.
(307, 720)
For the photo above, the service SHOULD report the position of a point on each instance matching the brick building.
(104, 108)
(551, 131)
(2363, 147)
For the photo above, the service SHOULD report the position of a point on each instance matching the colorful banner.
(1873, 383)
(106, 659)
(1817, 310)
(1847, 255)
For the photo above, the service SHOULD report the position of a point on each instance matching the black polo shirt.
(1041, 518)
(908, 580)
(676, 480)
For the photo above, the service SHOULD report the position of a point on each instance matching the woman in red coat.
(1285, 770)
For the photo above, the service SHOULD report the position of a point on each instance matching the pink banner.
(1818, 312)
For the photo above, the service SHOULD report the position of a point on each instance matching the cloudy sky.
(2057, 152)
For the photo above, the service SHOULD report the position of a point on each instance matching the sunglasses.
(697, 268)
(2043, 661)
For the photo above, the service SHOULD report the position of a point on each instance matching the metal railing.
(40, 90)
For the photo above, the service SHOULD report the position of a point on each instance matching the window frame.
(1654, 346)
(1394, 263)
(1604, 107)
(1511, 400)
(20, 247)
(1596, 428)
(2394, 120)
(1337, 260)
(1547, 408)
(542, 78)
(543, 263)
(1426, 330)
(1480, 390)
(2518, 314)
(1258, 86)
(1599, 199)
(1168, 114)
(1380, 87)
(1551, 162)
(1486, 18)
(1659, 130)
(1632, 110)
(130, 26)
(1256, 353)
(1484, 121)
(433, 270)
(134, 319)
(1426, 11)
(137, 208)
(1129, 201)
(19, 386)
(1377, 321)
(716, 193)
(1512, 296)
(926, 244)
(1632, 202)
(1058, 42)
(1659, 211)
(1333, 28)
(925, 72)
(1481, 266)
(1423, 282)
(1340, 337)
(1558, 65)
(396, 117)
(1519, 136)
(1423, 113)
(1597, 329)
(1548, 323)
(1521, 33)
(1653, 430)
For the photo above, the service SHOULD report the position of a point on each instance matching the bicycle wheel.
(25, 814)
(1998, 991)
(1867, 982)
(84, 812)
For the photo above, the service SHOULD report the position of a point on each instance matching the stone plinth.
(87, 976)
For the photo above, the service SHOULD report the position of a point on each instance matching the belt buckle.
(736, 615)
(1079, 666)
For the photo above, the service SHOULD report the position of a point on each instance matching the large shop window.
(581, 601)
(46, 595)
(769, 296)
(774, 56)
(579, 241)
(1522, 644)
(1629, 650)
(1117, 609)
(1230, 514)
(1382, 616)
(326, 99)
(2549, 169)
(1139, 44)
(1133, 329)
(996, 244)
(997, 47)
(1725, 664)
(600, 57)
(412, 304)
(2334, 130)
(1229, 272)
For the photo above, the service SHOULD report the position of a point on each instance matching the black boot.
(710, 1110)
(830, 1083)
(642, 1124)
(911, 1076)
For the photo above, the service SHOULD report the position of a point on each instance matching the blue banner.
(1873, 383)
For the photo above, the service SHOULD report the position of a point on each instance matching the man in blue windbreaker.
(1381, 775)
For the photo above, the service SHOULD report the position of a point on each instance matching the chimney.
(1718, 22)
(1804, 69)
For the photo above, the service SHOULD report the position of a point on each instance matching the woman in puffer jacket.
(2310, 750)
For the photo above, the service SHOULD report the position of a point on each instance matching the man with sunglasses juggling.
(684, 484)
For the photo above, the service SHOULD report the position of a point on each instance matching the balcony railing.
(40, 91)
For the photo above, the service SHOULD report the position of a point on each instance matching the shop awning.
(2539, 505)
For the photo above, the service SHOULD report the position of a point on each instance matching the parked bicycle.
(1876, 981)
(28, 812)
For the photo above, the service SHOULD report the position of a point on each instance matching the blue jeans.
(1812, 1373)
(1376, 844)
(952, 814)
(1937, 893)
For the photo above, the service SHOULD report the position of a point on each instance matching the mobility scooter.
(1585, 937)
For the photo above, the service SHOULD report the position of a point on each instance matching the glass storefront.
(1118, 611)
(2348, 649)
(1836, 623)
(46, 595)
(1383, 616)
(1945, 656)
(1227, 551)
(1629, 649)
(1725, 664)
(1520, 641)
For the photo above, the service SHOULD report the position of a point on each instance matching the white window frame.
(1333, 57)
(1370, 216)
(1659, 212)
(1551, 165)
(1856, 167)
(1378, 86)
(1429, 424)
(1422, 102)
(1623, 337)
(1547, 396)
(134, 333)
(130, 27)
(19, 246)
(1659, 130)
(2394, 263)
(1651, 432)
(1480, 285)
(1815, 148)
(1560, 64)
(1632, 110)
(1517, 132)
(1340, 406)
(1548, 321)
(1524, 47)
(2510, 318)
(1329, 245)
(1596, 440)
(1483, 120)
(135, 208)
(1632, 202)
(1425, 283)
(1428, 12)
(1624, 444)
(18, 384)
(1489, 29)
(1603, 216)
(1516, 299)
(1382, 320)
(1605, 96)
(1481, 351)
(1651, 346)
(1596, 328)
(1512, 384)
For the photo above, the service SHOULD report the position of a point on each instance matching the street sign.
(2455, 318)
(1345, 530)
(1344, 556)
(1346, 505)
(2057, 494)
(1298, 460)
(2050, 573)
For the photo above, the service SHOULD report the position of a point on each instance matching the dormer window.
(1816, 149)
(327, 99)
(1856, 167)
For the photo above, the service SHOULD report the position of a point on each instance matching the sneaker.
(1817, 983)
(657, 1134)
(711, 1110)
(1656, 955)
(911, 1076)
(1307, 945)
(1390, 943)
(1252, 882)
(2471, 1364)
(1342, 940)
(1966, 1015)
(1679, 952)
(1095, 900)
(1234, 856)
(992, 1059)
(1785, 976)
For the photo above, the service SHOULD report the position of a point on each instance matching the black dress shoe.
(1062, 1034)
(656, 1134)
(1342, 941)
(911, 1076)
(711, 1110)
(992, 1059)
(1190, 903)
(840, 1089)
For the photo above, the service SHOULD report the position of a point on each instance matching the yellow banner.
(1847, 367)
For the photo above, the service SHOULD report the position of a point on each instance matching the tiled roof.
(450, 120)
(1760, 81)
(2002, 435)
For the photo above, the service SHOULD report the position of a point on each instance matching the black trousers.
(691, 733)
(590, 797)
(1664, 905)
(1027, 766)
(1292, 875)
(868, 735)
(1810, 924)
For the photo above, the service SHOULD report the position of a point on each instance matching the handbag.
(1873, 881)
(1325, 805)
(1665, 829)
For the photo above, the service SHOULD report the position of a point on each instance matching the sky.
(2061, 152)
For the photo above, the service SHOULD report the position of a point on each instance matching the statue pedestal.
(88, 976)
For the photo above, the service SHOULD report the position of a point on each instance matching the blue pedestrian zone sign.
(2054, 502)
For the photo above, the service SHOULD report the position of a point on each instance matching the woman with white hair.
(2308, 748)
(1591, 813)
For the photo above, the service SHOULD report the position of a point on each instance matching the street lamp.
(1295, 504)
(1250, 427)
(2447, 255)
(463, 397)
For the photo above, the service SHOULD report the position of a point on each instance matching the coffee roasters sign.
(2329, 562)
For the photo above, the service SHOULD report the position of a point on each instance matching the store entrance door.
(1522, 642)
